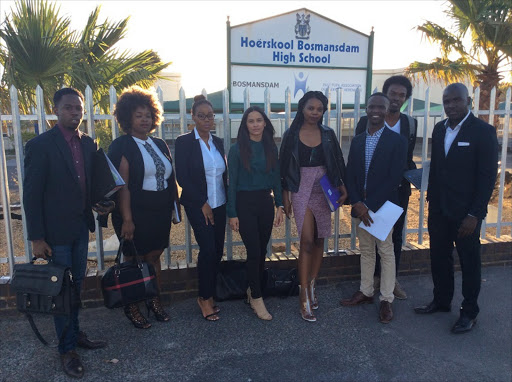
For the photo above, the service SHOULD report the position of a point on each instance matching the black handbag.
(46, 288)
(280, 282)
(128, 282)
(231, 281)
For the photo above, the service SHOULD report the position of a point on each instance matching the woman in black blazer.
(146, 205)
(201, 173)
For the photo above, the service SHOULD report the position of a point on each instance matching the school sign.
(300, 50)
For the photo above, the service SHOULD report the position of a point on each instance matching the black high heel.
(154, 305)
(133, 313)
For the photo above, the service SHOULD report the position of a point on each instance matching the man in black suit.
(398, 89)
(56, 198)
(376, 162)
(463, 168)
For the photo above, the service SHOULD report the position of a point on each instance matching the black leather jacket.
(289, 158)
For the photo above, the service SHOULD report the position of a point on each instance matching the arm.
(412, 144)
(233, 167)
(127, 228)
(278, 192)
(36, 166)
(433, 184)
(184, 174)
(486, 170)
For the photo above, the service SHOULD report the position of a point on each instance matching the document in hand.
(106, 180)
(383, 220)
(332, 194)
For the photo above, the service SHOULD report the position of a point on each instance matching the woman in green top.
(253, 176)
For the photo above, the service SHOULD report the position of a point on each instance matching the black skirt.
(152, 216)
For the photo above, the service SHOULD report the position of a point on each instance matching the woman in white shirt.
(146, 204)
(201, 173)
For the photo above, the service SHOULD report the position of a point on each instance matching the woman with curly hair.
(146, 204)
(309, 150)
(253, 176)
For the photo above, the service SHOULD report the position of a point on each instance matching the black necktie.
(159, 164)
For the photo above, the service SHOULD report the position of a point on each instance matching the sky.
(192, 34)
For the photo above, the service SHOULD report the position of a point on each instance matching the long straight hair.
(244, 144)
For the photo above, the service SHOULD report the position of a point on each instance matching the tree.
(38, 48)
(488, 25)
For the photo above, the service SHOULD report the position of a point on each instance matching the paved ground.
(346, 344)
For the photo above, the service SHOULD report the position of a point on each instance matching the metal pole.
(504, 145)
(227, 145)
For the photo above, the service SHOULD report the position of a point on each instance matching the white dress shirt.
(451, 134)
(214, 167)
(149, 182)
(395, 128)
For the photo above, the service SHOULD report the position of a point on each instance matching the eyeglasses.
(204, 117)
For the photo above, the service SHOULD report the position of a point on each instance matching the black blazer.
(461, 183)
(190, 169)
(409, 133)
(127, 147)
(385, 172)
(52, 197)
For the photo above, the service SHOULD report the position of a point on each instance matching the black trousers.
(255, 210)
(211, 246)
(443, 236)
(403, 201)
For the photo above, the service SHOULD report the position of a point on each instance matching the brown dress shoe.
(357, 298)
(386, 313)
(86, 343)
(71, 364)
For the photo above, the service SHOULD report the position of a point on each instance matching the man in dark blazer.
(463, 168)
(376, 162)
(398, 89)
(57, 203)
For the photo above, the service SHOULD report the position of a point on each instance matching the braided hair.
(299, 117)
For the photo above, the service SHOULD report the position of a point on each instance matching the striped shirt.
(371, 144)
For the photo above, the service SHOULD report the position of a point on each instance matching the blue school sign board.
(299, 50)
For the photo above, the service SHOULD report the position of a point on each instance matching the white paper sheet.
(383, 220)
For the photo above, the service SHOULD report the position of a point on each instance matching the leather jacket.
(289, 158)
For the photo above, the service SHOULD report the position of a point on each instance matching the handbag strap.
(41, 338)
(117, 261)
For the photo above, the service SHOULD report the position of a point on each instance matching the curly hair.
(131, 99)
(398, 80)
(244, 145)
(299, 117)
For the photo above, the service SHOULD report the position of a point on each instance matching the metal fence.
(343, 122)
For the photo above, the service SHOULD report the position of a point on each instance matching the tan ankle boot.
(259, 308)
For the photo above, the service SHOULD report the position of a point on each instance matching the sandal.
(154, 305)
(208, 317)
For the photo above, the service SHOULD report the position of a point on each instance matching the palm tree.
(489, 26)
(40, 49)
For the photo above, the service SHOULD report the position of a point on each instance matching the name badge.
(463, 144)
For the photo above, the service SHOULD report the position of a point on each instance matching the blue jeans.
(73, 255)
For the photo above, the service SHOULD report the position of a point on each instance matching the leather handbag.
(45, 288)
(280, 282)
(231, 281)
(128, 282)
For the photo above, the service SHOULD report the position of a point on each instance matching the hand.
(104, 207)
(343, 195)
(41, 249)
(359, 209)
(366, 219)
(287, 204)
(467, 227)
(279, 216)
(208, 214)
(127, 230)
(234, 224)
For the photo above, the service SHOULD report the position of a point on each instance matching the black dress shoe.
(433, 307)
(464, 324)
(71, 364)
(86, 343)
